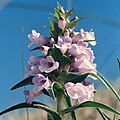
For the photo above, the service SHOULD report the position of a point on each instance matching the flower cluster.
(63, 54)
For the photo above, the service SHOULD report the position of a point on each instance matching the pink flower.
(36, 38)
(32, 72)
(64, 40)
(48, 64)
(84, 36)
(40, 83)
(81, 50)
(32, 66)
(84, 57)
(84, 66)
(61, 23)
(64, 43)
(79, 91)
(77, 49)
(35, 60)
(44, 49)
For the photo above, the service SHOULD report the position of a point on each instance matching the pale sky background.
(19, 17)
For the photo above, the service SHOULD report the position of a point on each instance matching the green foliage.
(49, 92)
(37, 48)
(73, 77)
(57, 88)
(68, 104)
(58, 56)
(49, 117)
(103, 115)
(27, 81)
(72, 23)
(90, 104)
(55, 31)
(59, 91)
(106, 83)
(118, 63)
(36, 105)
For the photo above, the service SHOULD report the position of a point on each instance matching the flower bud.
(61, 22)
(67, 33)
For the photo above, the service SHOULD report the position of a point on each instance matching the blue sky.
(13, 19)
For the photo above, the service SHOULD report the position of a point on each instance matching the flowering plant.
(62, 70)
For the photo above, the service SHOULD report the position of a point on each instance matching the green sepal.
(60, 8)
(72, 23)
(55, 31)
(68, 13)
(49, 92)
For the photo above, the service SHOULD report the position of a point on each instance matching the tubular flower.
(80, 91)
(36, 38)
(64, 43)
(84, 57)
(40, 83)
(32, 66)
(84, 66)
(84, 36)
(48, 64)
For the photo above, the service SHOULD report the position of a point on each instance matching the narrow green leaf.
(57, 14)
(103, 115)
(54, 29)
(60, 8)
(96, 76)
(72, 77)
(88, 40)
(90, 104)
(27, 81)
(51, 25)
(36, 105)
(118, 62)
(109, 85)
(67, 99)
(106, 83)
(68, 13)
(37, 48)
(49, 117)
(72, 23)
(49, 92)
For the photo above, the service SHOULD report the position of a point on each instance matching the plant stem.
(60, 105)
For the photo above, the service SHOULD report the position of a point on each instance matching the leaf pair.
(54, 114)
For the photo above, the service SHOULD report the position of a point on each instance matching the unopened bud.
(67, 33)
(61, 22)
(72, 34)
